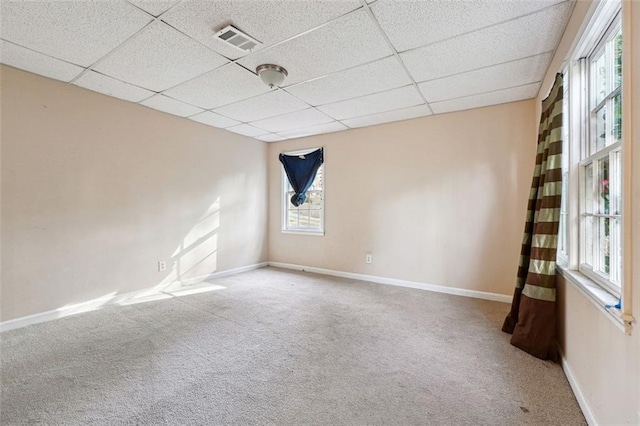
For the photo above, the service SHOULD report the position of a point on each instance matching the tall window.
(309, 216)
(601, 163)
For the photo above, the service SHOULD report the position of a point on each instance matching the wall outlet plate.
(368, 258)
(162, 266)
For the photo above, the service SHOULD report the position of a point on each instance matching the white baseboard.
(124, 298)
(226, 273)
(582, 401)
(176, 287)
(505, 298)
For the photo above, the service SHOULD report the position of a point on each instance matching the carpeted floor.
(281, 347)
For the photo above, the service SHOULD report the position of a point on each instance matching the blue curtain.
(301, 171)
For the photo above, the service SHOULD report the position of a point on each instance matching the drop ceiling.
(351, 63)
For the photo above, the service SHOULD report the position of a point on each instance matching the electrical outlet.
(162, 266)
(368, 258)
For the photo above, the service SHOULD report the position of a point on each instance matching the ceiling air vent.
(236, 38)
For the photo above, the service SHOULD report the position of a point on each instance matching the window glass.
(600, 236)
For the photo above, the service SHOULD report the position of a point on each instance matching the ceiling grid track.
(366, 7)
(338, 56)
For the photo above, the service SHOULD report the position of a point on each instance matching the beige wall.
(605, 362)
(95, 191)
(438, 200)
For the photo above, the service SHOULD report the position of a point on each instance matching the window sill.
(301, 232)
(600, 298)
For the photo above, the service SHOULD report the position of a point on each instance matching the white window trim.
(568, 266)
(284, 204)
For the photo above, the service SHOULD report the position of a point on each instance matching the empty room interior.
(358, 212)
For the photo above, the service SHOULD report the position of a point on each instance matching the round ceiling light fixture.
(272, 75)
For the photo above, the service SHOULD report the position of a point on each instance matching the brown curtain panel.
(532, 320)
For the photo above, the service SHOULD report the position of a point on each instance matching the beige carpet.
(280, 347)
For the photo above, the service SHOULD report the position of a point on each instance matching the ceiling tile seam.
(359, 96)
(338, 72)
(395, 52)
(484, 106)
(114, 50)
(329, 120)
(200, 112)
(162, 14)
(383, 112)
(270, 133)
(141, 9)
(126, 82)
(573, 6)
(271, 46)
(238, 125)
(485, 27)
(485, 67)
(314, 134)
(488, 92)
(246, 99)
(245, 68)
(198, 76)
(43, 54)
(149, 97)
(306, 103)
(177, 100)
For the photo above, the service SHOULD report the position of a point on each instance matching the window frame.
(284, 193)
(590, 216)
(602, 16)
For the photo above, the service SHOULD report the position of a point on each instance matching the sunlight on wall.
(193, 260)
(196, 256)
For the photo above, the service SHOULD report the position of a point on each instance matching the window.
(601, 162)
(590, 236)
(308, 218)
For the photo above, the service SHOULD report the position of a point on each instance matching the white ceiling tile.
(28, 60)
(219, 87)
(387, 117)
(293, 120)
(80, 32)
(270, 137)
(494, 45)
(112, 87)
(411, 24)
(247, 130)
(163, 103)
(371, 104)
(346, 42)
(334, 126)
(154, 7)
(512, 94)
(267, 21)
(215, 120)
(359, 81)
(158, 58)
(270, 104)
(510, 74)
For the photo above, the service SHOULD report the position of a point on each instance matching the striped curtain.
(532, 320)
